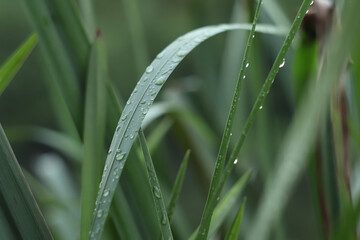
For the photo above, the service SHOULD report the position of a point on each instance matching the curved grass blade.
(156, 190)
(17, 196)
(301, 135)
(174, 197)
(138, 105)
(233, 233)
(94, 134)
(225, 206)
(13, 64)
(225, 141)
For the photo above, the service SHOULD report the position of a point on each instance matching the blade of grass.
(174, 197)
(138, 105)
(75, 36)
(123, 218)
(302, 132)
(225, 206)
(94, 134)
(264, 91)
(156, 190)
(220, 161)
(18, 197)
(233, 233)
(14, 63)
(88, 16)
(56, 55)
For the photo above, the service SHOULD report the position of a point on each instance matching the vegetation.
(256, 135)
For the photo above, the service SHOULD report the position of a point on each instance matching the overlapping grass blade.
(300, 138)
(233, 233)
(225, 141)
(225, 206)
(264, 91)
(174, 197)
(156, 190)
(13, 64)
(138, 105)
(17, 197)
(94, 134)
(76, 38)
(56, 56)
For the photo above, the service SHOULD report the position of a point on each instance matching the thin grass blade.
(156, 190)
(56, 56)
(138, 105)
(225, 206)
(220, 161)
(94, 134)
(14, 63)
(233, 233)
(300, 138)
(174, 197)
(17, 196)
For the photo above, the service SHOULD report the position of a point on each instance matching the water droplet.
(156, 192)
(244, 77)
(182, 53)
(118, 128)
(135, 90)
(247, 65)
(149, 69)
(236, 161)
(260, 107)
(99, 213)
(176, 59)
(160, 81)
(144, 111)
(128, 102)
(160, 55)
(124, 117)
(307, 11)
(230, 134)
(106, 192)
(163, 220)
(131, 137)
(312, 2)
(143, 101)
(282, 64)
(109, 152)
(120, 156)
(253, 36)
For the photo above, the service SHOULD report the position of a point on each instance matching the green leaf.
(233, 233)
(139, 102)
(177, 186)
(14, 63)
(225, 206)
(59, 62)
(94, 134)
(225, 141)
(158, 198)
(16, 196)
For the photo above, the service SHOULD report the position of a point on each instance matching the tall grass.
(114, 187)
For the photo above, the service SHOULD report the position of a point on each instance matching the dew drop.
(124, 117)
(282, 64)
(163, 220)
(128, 102)
(312, 2)
(156, 192)
(247, 65)
(149, 69)
(106, 192)
(244, 77)
(236, 161)
(182, 53)
(144, 111)
(160, 81)
(160, 55)
(118, 128)
(99, 213)
(253, 36)
(260, 107)
(131, 137)
(135, 90)
(307, 11)
(120, 156)
(109, 152)
(143, 101)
